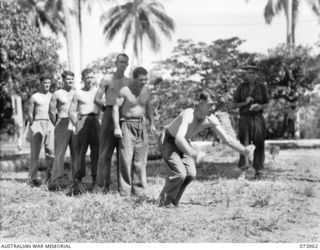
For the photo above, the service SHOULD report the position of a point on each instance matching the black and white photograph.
(160, 121)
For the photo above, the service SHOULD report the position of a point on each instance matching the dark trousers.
(252, 130)
(108, 142)
(63, 137)
(88, 129)
(181, 171)
(133, 154)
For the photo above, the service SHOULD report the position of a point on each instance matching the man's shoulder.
(187, 114)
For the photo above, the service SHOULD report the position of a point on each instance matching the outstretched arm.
(229, 140)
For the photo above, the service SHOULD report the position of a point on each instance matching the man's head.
(46, 80)
(88, 78)
(140, 75)
(122, 62)
(250, 72)
(206, 105)
(67, 77)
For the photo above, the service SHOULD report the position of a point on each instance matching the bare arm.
(101, 90)
(229, 140)
(73, 109)
(116, 116)
(31, 110)
(53, 109)
(180, 140)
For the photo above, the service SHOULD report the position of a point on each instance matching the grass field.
(217, 207)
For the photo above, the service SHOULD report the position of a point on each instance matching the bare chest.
(65, 97)
(86, 97)
(137, 99)
(42, 100)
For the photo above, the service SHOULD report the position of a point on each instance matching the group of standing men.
(71, 118)
(74, 118)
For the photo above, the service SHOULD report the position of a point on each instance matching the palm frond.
(153, 38)
(127, 32)
(163, 18)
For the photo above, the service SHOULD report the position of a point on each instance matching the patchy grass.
(217, 207)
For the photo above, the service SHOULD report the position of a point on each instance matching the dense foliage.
(25, 54)
(217, 66)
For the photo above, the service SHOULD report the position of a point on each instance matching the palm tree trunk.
(80, 33)
(68, 35)
(289, 26)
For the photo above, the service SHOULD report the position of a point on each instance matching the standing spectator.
(251, 97)
(63, 132)
(87, 126)
(41, 129)
(134, 102)
(108, 141)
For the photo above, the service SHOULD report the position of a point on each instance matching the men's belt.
(90, 114)
(132, 119)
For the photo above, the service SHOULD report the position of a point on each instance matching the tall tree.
(55, 14)
(44, 13)
(291, 10)
(139, 19)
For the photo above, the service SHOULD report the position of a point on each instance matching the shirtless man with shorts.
(41, 129)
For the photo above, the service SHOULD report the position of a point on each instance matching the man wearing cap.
(180, 156)
(251, 98)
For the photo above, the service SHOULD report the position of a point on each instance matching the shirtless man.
(87, 126)
(108, 142)
(63, 132)
(178, 153)
(41, 129)
(134, 101)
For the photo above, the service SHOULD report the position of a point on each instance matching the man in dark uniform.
(251, 97)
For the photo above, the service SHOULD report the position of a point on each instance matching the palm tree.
(139, 19)
(56, 15)
(79, 6)
(45, 13)
(291, 10)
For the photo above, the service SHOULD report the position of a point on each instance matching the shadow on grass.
(205, 170)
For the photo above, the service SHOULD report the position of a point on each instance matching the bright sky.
(205, 20)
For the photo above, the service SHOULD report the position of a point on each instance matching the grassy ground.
(217, 207)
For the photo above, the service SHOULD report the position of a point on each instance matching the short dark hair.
(67, 73)
(85, 72)
(139, 71)
(122, 54)
(205, 95)
(45, 76)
